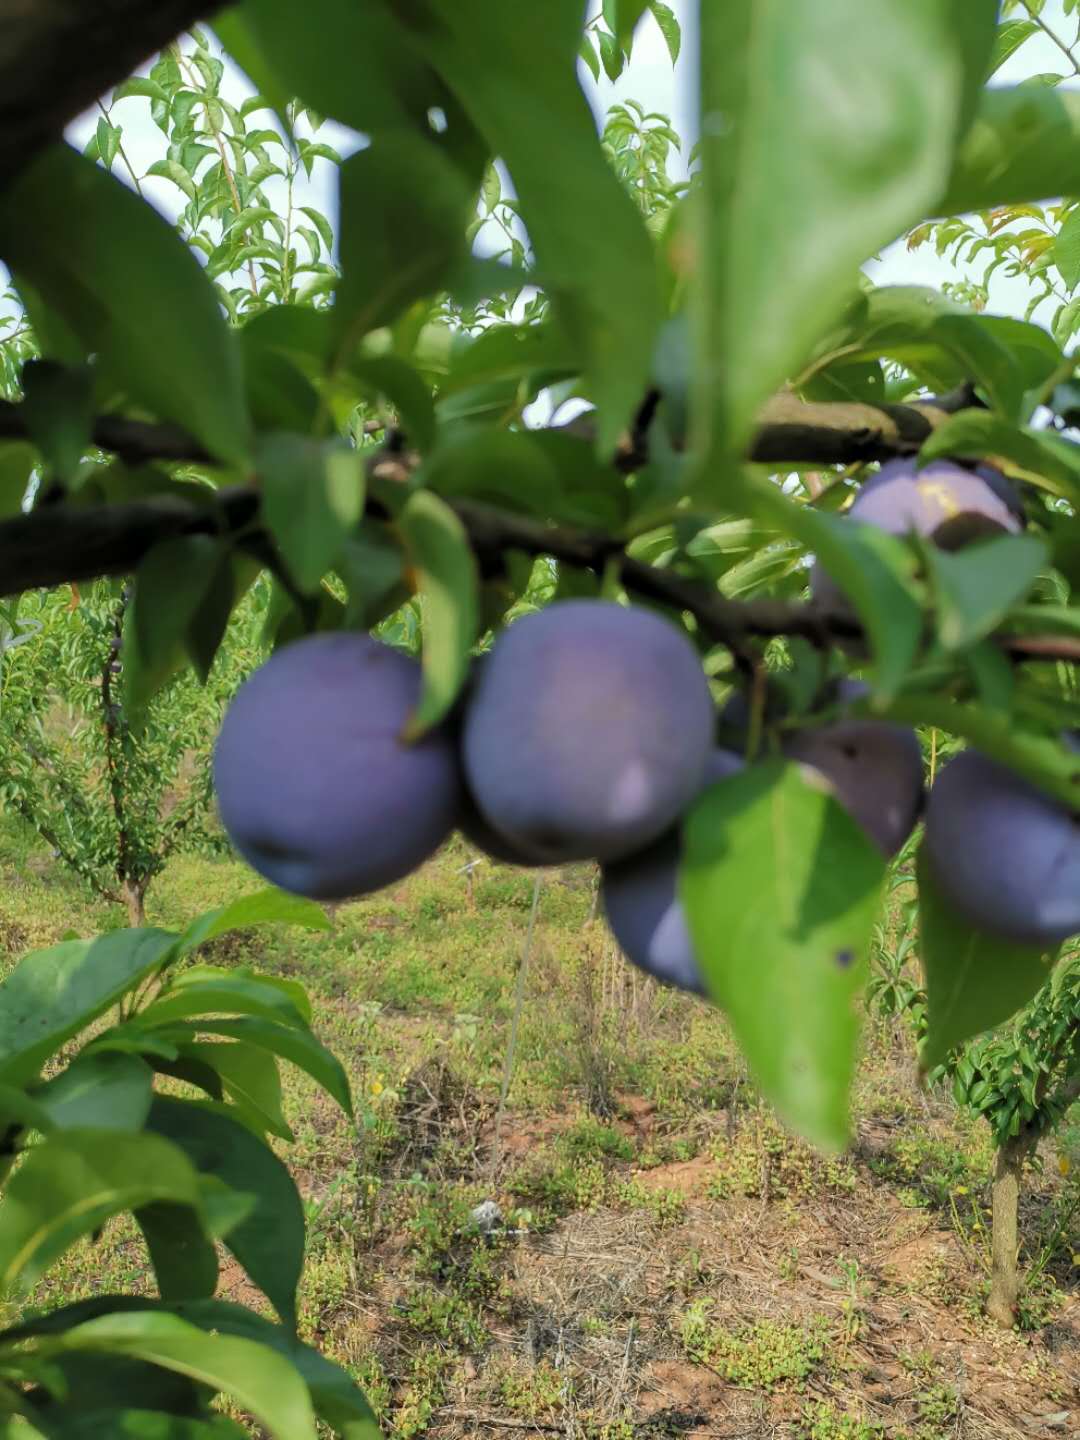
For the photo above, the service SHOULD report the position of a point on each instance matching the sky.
(651, 81)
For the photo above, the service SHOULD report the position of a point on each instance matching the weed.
(938, 1405)
(535, 1394)
(666, 1207)
(555, 1190)
(588, 1139)
(823, 1421)
(449, 1320)
(759, 1356)
(930, 1171)
(763, 1160)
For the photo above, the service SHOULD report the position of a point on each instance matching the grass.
(671, 1262)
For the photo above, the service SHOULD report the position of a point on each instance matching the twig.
(1051, 35)
(480, 1421)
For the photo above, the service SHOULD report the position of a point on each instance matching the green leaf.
(873, 571)
(171, 583)
(252, 1374)
(104, 1091)
(174, 171)
(356, 64)
(1049, 765)
(207, 627)
(322, 225)
(669, 27)
(589, 270)
(862, 381)
(19, 1111)
(312, 496)
(1067, 250)
(976, 587)
(611, 54)
(280, 396)
(1023, 146)
(1036, 456)
(52, 994)
(404, 208)
(269, 1243)
(58, 403)
(782, 889)
(17, 463)
(202, 991)
(250, 1079)
(622, 17)
(104, 276)
(263, 907)
(587, 52)
(133, 1423)
(108, 138)
(985, 359)
(505, 351)
(74, 1181)
(386, 375)
(185, 1261)
(449, 586)
(1010, 36)
(141, 85)
(373, 570)
(842, 115)
(336, 1398)
(288, 1042)
(973, 981)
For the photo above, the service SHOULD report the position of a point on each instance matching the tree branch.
(57, 543)
(58, 56)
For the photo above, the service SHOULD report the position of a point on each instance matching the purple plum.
(316, 788)
(875, 768)
(1004, 853)
(487, 839)
(641, 900)
(587, 732)
(945, 503)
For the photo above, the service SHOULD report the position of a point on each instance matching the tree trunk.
(1005, 1275)
(134, 897)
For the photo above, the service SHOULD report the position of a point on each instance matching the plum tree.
(587, 732)
(945, 503)
(641, 901)
(875, 768)
(1005, 854)
(316, 787)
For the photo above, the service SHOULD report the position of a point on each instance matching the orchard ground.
(675, 1265)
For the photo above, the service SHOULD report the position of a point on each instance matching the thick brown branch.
(794, 432)
(58, 56)
(136, 441)
(57, 543)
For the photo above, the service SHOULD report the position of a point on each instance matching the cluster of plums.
(587, 732)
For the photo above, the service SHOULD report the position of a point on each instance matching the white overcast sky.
(650, 80)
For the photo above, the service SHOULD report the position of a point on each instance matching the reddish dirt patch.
(690, 1177)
